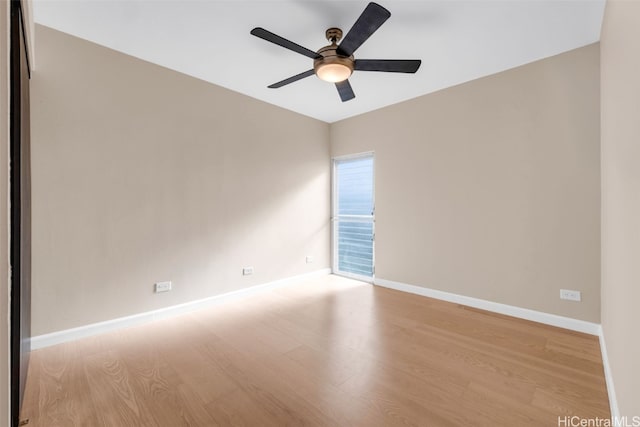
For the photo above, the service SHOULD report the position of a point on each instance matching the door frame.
(19, 213)
(334, 220)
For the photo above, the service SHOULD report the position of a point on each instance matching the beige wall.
(491, 189)
(620, 70)
(141, 174)
(4, 213)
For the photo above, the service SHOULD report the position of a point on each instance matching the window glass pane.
(355, 186)
(355, 247)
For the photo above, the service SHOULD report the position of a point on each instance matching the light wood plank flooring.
(326, 352)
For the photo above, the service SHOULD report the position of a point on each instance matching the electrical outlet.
(570, 295)
(247, 271)
(163, 287)
(309, 259)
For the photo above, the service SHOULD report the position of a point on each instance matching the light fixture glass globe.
(333, 73)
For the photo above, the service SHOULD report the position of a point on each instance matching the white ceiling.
(457, 41)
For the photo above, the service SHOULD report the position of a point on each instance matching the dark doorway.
(20, 211)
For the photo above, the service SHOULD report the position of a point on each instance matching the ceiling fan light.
(333, 73)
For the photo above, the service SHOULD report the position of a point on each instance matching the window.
(353, 216)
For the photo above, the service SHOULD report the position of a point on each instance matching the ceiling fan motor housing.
(330, 55)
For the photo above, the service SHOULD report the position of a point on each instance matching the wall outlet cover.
(162, 287)
(570, 295)
(247, 271)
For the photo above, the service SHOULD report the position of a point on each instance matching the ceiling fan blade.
(345, 91)
(280, 41)
(388, 65)
(292, 79)
(371, 19)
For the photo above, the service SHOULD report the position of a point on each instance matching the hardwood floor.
(326, 352)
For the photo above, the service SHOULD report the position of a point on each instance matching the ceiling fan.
(335, 63)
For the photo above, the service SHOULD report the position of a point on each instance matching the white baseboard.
(509, 310)
(608, 376)
(67, 335)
